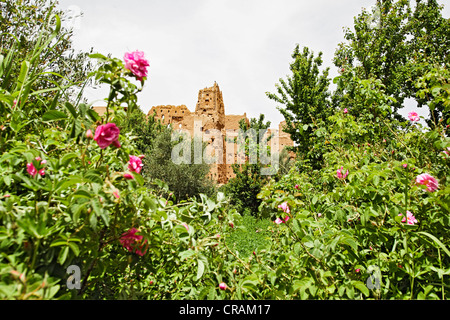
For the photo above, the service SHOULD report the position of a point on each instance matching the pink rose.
(345, 110)
(133, 242)
(135, 164)
(428, 180)
(136, 63)
(278, 221)
(404, 165)
(222, 286)
(413, 116)
(107, 134)
(340, 174)
(42, 172)
(284, 206)
(31, 169)
(410, 219)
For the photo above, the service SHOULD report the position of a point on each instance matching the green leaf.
(71, 109)
(361, 287)
(54, 115)
(436, 240)
(200, 268)
(350, 242)
(62, 185)
(63, 255)
(64, 161)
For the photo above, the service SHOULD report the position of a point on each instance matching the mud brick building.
(210, 122)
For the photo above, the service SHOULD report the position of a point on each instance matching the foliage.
(185, 180)
(395, 43)
(249, 179)
(373, 231)
(304, 99)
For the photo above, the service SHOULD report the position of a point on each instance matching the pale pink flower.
(135, 164)
(106, 135)
(43, 161)
(136, 63)
(340, 173)
(413, 116)
(404, 165)
(31, 169)
(286, 219)
(284, 206)
(38, 159)
(278, 221)
(410, 219)
(319, 214)
(222, 286)
(116, 194)
(42, 172)
(345, 110)
(428, 180)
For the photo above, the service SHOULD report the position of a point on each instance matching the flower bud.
(89, 134)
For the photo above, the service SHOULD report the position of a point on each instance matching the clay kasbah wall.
(210, 122)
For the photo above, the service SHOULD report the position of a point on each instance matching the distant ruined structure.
(215, 127)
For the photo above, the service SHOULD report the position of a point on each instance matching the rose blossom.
(428, 180)
(413, 116)
(136, 63)
(222, 286)
(89, 134)
(410, 219)
(132, 242)
(284, 206)
(278, 221)
(345, 110)
(106, 135)
(340, 175)
(135, 164)
(31, 169)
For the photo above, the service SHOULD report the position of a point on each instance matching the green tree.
(25, 25)
(184, 180)
(244, 188)
(143, 128)
(398, 44)
(304, 99)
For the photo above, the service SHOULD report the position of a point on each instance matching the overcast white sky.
(243, 45)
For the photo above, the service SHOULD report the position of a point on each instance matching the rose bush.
(378, 208)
